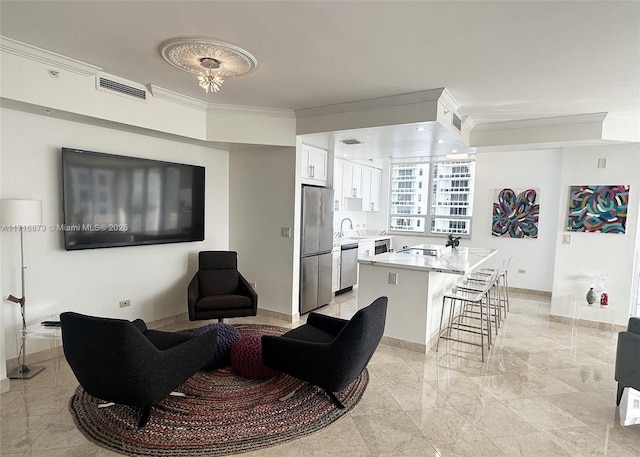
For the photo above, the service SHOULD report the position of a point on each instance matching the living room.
(253, 190)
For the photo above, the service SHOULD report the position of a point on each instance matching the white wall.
(611, 254)
(262, 200)
(539, 169)
(154, 278)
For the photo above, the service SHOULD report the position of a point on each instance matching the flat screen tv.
(112, 200)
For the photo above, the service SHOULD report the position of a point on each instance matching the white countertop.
(461, 261)
(358, 238)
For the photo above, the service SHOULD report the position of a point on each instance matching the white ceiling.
(500, 60)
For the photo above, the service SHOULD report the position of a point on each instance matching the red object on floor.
(246, 357)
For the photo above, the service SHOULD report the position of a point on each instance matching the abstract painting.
(515, 213)
(598, 209)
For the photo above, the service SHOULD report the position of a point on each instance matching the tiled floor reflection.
(547, 389)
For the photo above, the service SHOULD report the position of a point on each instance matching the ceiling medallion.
(212, 60)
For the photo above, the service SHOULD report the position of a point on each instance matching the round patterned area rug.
(222, 414)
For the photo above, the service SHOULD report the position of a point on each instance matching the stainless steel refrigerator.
(317, 242)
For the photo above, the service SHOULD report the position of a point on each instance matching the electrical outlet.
(285, 232)
(125, 303)
(393, 278)
(566, 239)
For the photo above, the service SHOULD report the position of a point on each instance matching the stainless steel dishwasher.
(348, 266)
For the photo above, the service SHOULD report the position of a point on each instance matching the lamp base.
(24, 372)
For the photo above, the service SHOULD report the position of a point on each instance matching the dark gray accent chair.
(628, 358)
(328, 352)
(219, 290)
(123, 362)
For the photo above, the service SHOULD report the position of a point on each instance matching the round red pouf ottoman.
(246, 357)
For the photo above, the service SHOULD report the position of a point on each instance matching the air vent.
(111, 85)
(456, 122)
(351, 141)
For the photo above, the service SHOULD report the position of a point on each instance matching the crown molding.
(541, 122)
(373, 103)
(174, 97)
(251, 110)
(468, 123)
(47, 57)
(448, 101)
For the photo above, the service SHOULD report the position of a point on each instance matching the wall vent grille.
(456, 122)
(351, 141)
(124, 89)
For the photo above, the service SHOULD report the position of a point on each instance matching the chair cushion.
(227, 336)
(246, 357)
(220, 302)
(309, 333)
(218, 282)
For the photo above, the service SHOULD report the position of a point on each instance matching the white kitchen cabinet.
(371, 183)
(366, 188)
(373, 203)
(351, 180)
(335, 271)
(338, 196)
(314, 165)
(356, 187)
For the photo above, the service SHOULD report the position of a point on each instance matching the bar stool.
(503, 282)
(472, 305)
(478, 285)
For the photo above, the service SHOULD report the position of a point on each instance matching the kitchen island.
(415, 283)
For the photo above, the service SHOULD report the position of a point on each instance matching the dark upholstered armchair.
(123, 362)
(218, 290)
(627, 358)
(328, 352)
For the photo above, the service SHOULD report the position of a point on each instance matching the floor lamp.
(16, 214)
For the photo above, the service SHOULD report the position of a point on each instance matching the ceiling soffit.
(404, 109)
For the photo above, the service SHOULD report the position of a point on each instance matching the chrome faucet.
(342, 222)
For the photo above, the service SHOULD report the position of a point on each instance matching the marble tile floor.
(547, 389)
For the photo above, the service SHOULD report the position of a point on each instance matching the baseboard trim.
(182, 317)
(587, 323)
(290, 318)
(402, 344)
(537, 293)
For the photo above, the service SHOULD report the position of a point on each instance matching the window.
(446, 209)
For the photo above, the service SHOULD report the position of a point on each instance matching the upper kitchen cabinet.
(371, 180)
(351, 180)
(314, 165)
(356, 187)
(338, 195)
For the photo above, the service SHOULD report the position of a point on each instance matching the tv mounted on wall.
(112, 200)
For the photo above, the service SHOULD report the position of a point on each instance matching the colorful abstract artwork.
(515, 213)
(598, 209)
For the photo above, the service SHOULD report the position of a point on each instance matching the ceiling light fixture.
(210, 82)
(211, 60)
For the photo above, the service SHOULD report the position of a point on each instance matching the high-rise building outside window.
(446, 209)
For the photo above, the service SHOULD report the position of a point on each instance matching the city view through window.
(432, 198)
